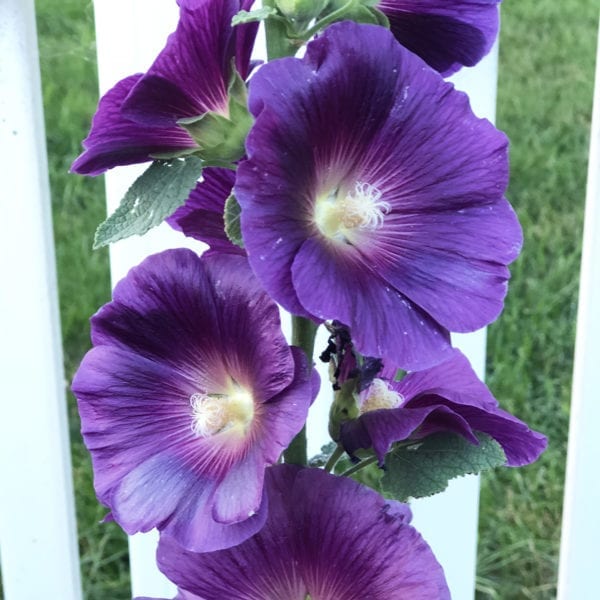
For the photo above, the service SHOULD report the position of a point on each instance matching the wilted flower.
(373, 195)
(189, 392)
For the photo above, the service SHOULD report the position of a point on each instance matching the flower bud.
(301, 10)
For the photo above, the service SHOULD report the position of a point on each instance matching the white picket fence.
(37, 524)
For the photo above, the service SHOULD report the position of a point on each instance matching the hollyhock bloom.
(138, 118)
(201, 217)
(189, 392)
(373, 195)
(447, 34)
(326, 537)
(448, 397)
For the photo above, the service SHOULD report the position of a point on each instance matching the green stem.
(361, 465)
(303, 335)
(332, 460)
(278, 43)
(336, 15)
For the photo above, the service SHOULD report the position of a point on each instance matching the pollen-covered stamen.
(217, 413)
(337, 216)
(379, 396)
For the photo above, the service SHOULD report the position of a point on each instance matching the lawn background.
(547, 52)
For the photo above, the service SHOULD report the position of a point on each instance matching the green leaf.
(232, 215)
(319, 460)
(154, 195)
(424, 470)
(260, 14)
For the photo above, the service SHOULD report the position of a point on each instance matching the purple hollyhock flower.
(373, 195)
(326, 537)
(201, 217)
(189, 392)
(448, 397)
(138, 118)
(447, 34)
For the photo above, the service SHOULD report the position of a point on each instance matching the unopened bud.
(301, 10)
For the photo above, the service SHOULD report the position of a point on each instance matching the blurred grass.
(547, 52)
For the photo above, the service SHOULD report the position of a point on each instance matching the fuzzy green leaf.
(415, 472)
(154, 195)
(260, 14)
(232, 216)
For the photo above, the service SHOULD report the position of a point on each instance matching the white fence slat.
(37, 515)
(581, 525)
(449, 521)
(129, 35)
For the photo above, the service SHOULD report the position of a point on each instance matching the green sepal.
(343, 408)
(424, 469)
(152, 197)
(260, 14)
(301, 11)
(221, 138)
(361, 11)
(231, 217)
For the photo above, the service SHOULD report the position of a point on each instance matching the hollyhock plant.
(447, 34)
(373, 195)
(326, 538)
(141, 116)
(446, 398)
(189, 392)
(201, 217)
(357, 189)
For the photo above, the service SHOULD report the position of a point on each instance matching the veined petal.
(175, 398)
(201, 217)
(447, 34)
(349, 291)
(448, 397)
(190, 76)
(325, 536)
(365, 179)
(115, 140)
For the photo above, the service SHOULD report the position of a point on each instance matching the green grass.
(547, 55)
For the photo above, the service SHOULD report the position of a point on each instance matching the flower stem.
(361, 465)
(303, 335)
(336, 15)
(278, 43)
(332, 460)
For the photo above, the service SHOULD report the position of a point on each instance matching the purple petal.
(448, 397)
(201, 217)
(348, 291)
(191, 75)
(447, 35)
(114, 140)
(182, 330)
(361, 120)
(325, 536)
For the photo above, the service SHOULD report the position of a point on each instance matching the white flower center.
(380, 396)
(216, 413)
(337, 217)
